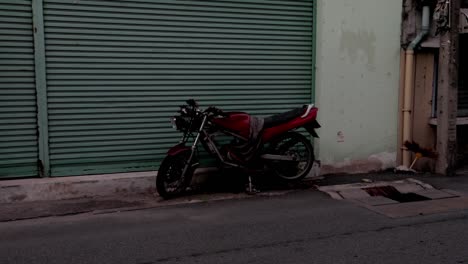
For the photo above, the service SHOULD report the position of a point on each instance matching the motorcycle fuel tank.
(235, 122)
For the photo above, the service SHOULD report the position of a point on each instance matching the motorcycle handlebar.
(215, 111)
(209, 111)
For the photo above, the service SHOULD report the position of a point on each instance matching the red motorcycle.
(256, 144)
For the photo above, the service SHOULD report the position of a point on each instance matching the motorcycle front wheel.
(170, 182)
(299, 149)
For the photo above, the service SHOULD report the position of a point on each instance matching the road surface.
(301, 227)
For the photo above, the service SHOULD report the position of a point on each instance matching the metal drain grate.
(392, 193)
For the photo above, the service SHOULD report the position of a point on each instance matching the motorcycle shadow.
(237, 181)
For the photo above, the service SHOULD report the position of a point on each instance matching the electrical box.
(464, 21)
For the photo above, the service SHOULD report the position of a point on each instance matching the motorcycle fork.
(194, 146)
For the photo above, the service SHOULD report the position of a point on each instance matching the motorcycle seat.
(278, 119)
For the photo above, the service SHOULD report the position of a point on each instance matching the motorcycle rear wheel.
(294, 145)
(170, 183)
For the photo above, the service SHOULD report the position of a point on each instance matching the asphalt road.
(302, 227)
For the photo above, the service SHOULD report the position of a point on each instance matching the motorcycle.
(256, 144)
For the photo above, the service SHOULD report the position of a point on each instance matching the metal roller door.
(117, 70)
(18, 122)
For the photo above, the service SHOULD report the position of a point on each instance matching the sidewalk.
(126, 192)
(36, 198)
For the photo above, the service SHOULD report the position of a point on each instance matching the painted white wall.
(358, 47)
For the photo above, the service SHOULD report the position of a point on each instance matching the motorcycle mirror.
(192, 103)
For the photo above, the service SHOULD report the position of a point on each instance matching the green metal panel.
(117, 70)
(314, 49)
(18, 122)
(41, 88)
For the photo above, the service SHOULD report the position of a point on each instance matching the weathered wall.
(358, 48)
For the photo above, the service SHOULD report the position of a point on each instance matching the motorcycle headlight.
(180, 123)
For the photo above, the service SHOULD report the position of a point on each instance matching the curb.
(46, 189)
(76, 187)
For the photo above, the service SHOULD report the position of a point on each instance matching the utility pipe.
(409, 83)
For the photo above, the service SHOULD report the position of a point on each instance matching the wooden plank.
(423, 133)
(461, 121)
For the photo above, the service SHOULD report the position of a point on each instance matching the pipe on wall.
(408, 89)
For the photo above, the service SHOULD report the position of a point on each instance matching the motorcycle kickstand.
(251, 188)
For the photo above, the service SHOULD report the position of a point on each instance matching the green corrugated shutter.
(18, 122)
(117, 70)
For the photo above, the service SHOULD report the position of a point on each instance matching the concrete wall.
(357, 81)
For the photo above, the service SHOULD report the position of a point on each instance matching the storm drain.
(392, 193)
(403, 198)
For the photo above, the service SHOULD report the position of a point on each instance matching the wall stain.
(18, 197)
(359, 44)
